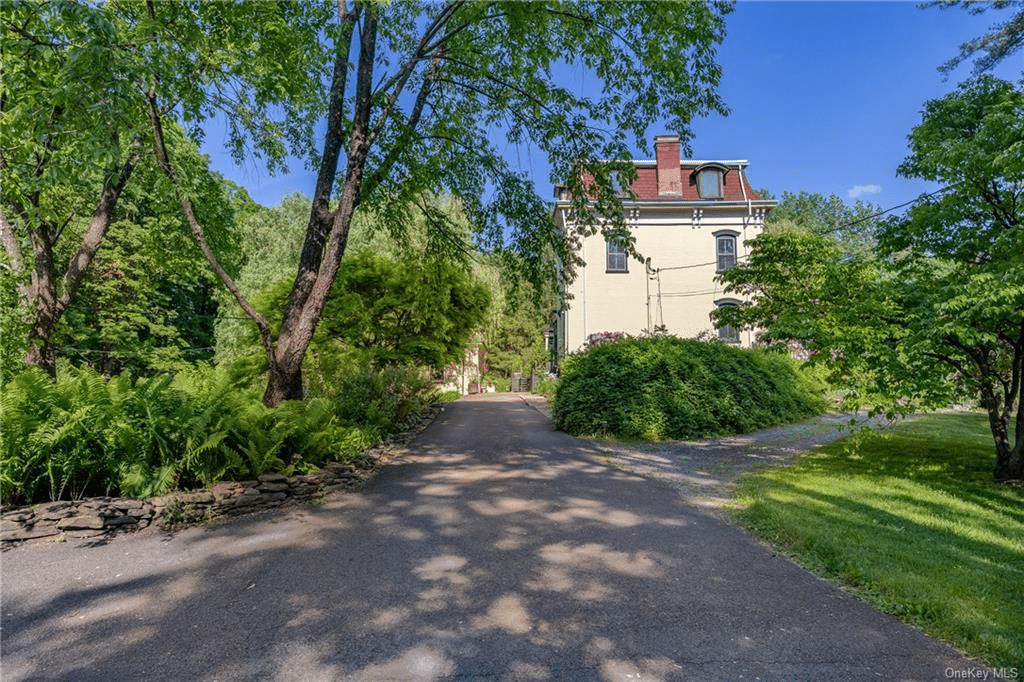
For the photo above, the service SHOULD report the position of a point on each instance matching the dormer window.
(710, 180)
(709, 183)
(620, 185)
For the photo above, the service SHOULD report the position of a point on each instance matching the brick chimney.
(666, 149)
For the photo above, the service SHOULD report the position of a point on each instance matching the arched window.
(709, 183)
(726, 332)
(725, 249)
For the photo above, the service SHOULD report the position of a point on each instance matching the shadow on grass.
(937, 544)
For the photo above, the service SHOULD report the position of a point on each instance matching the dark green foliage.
(515, 333)
(85, 435)
(148, 302)
(405, 311)
(398, 311)
(668, 388)
(382, 400)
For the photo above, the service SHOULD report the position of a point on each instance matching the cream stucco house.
(691, 219)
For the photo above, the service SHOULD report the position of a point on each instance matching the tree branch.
(98, 224)
(11, 246)
(197, 230)
(320, 216)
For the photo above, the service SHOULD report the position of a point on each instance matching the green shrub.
(86, 435)
(501, 384)
(383, 400)
(668, 388)
(546, 386)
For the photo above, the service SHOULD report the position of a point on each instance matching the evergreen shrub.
(675, 389)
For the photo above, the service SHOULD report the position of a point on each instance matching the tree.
(966, 249)
(120, 320)
(937, 314)
(514, 333)
(406, 311)
(76, 102)
(70, 139)
(414, 95)
(1003, 40)
(853, 227)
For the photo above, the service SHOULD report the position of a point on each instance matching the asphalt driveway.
(495, 548)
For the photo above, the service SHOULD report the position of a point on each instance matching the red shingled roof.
(645, 187)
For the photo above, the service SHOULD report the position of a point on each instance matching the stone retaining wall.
(97, 516)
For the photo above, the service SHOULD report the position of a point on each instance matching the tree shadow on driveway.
(495, 548)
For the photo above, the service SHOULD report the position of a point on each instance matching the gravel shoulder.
(705, 472)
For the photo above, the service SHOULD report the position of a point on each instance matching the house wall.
(630, 302)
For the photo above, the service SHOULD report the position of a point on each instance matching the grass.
(911, 521)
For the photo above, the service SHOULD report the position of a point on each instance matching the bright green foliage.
(75, 131)
(80, 435)
(910, 520)
(514, 331)
(797, 286)
(937, 314)
(406, 311)
(668, 388)
(122, 319)
(85, 435)
(852, 227)
(381, 400)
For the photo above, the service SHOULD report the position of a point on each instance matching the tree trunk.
(284, 383)
(41, 353)
(49, 305)
(326, 241)
(1009, 462)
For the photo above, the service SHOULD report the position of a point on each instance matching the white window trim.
(735, 248)
(617, 254)
(728, 333)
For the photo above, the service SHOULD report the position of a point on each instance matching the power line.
(890, 210)
(683, 294)
(696, 265)
(131, 354)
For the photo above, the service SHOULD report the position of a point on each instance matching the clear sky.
(822, 97)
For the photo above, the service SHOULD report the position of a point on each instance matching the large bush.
(668, 388)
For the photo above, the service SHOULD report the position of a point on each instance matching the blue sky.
(822, 97)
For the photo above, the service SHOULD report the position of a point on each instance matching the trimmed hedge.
(677, 389)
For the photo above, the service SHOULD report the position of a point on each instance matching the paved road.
(494, 549)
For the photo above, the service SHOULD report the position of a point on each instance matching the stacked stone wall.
(102, 516)
(97, 516)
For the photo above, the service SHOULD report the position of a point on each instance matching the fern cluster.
(87, 435)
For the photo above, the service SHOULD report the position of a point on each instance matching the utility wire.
(831, 231)
(890, 210)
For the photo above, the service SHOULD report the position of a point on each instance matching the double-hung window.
(618, 261)
(725, 251)
(726, 332)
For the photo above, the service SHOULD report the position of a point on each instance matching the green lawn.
(911, 522)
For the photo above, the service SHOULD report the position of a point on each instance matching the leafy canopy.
(936, 313)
